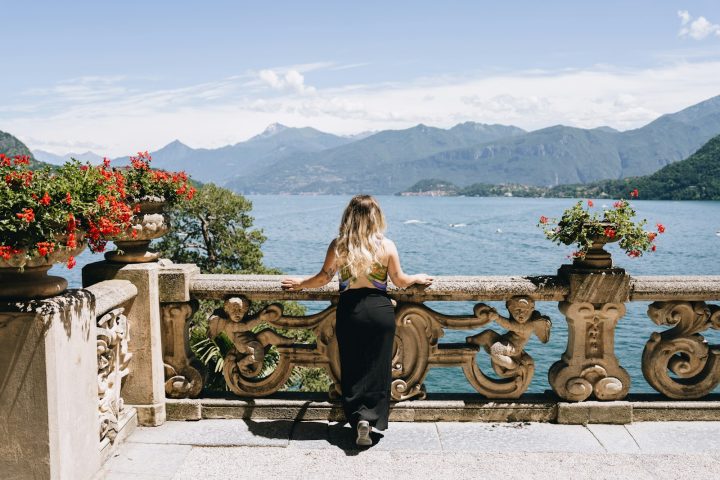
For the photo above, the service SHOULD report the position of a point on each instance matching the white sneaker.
(363, 434)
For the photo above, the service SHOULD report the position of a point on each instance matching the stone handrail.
(591, 301)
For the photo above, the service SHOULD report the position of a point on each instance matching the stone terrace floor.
(281, 449)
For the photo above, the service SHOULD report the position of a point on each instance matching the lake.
(490, 236)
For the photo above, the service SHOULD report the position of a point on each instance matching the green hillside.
(11, 146)
(695, 178)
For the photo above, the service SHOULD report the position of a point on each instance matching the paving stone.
(517, 437)
(218, 433)
(310, 435)
(614, 438)
(150, 460)
(677, 437)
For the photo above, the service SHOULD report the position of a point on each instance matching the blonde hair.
(358, 246)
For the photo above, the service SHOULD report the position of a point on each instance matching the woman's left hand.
(291, 284)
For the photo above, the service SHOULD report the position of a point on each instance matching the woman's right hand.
(422, 279)
(291, 284)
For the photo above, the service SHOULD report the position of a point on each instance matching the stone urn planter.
(596, 257)
(148, 223)
(23, 278)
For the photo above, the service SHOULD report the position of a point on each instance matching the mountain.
(11, 146)
(470, 153)
(695, 178)
(363, 165)
(54, 159)
(277, 142)
(563, 155)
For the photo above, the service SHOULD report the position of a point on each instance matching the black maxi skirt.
(365, 330)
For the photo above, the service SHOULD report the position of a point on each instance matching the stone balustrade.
(676, 362)
(79, 369)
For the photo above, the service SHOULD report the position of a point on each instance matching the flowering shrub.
(143, 181)
(581, 227)
(44, 211)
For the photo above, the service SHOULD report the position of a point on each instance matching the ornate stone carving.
(416, 337)
(682, 350)
(184, 374)
(244, 363)
(113, 359)
(589, 365)
(507, 355)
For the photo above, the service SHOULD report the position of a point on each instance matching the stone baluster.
(592, 309)
(144, 387)
(184, 374)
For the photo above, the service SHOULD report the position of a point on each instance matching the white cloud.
(699, 28)
(291, 80)
(229, 110)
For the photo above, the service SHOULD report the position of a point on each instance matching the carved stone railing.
(677, 362)
(113, 357)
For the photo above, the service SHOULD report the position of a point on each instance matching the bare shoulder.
(389, 246)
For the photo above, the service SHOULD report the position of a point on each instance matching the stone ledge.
(455, 408)
(127, 425)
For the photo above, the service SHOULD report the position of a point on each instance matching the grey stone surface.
(691, 287)
(175, 281)
(110, 294)
(677, 437)
(321, 450)
(614, 438)
(594, 412)
(139, 460)
(267, 287)
(217, 433)
(514, 437)
(286, 463)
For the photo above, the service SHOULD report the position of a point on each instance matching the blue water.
(491, 236)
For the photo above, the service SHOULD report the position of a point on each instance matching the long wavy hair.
(358, 246)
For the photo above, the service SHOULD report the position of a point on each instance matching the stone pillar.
(49, 424)
(184, 374)
(144, 387)
(592, 309)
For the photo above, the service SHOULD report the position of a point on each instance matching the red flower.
(6, 252)
(191, 193)
(45, 248)
(68, 198)
(543, 218)
(4, 162)
(634, 253)
(590, 203)
(71, 223)
(634, 193)
(619, 204)
(71, 241)
(71, 262)
(577, 254)
(45, 200)
(22, 160)
(610, 232)
(653, 248)
(660, 228)
(106, 162)
(651, 236)
(27, 214)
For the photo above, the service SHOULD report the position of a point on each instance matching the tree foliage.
(215, 231)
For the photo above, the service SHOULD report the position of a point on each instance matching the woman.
(365, 320)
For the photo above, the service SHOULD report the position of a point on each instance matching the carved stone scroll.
(682, 350)
(589, 365)
(184, 374)
(416, 336)
(507, 355)
(113, 359)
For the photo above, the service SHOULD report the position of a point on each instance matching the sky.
(124, 76)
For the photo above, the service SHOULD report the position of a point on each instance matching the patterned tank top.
(377, 276)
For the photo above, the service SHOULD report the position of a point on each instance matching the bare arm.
(398, 277)
(321, 278)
